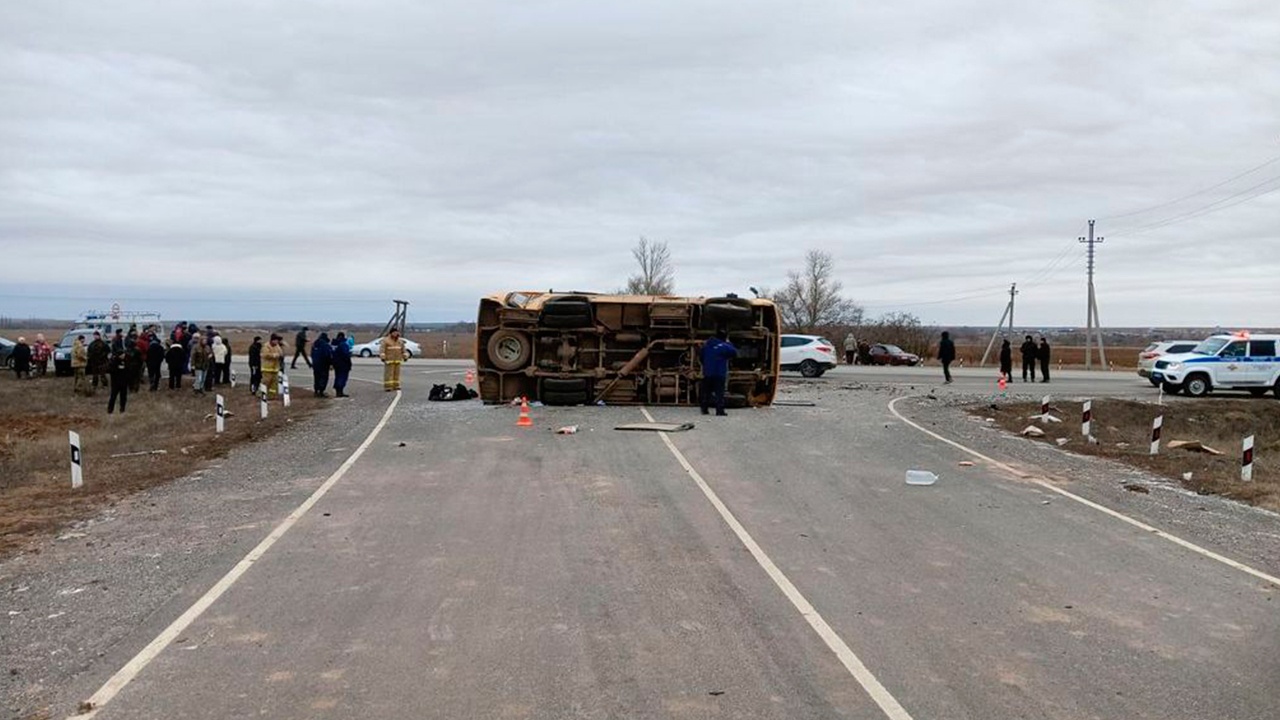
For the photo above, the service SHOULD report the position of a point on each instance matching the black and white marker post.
(262, 402)
(284, 389)
(1044, 406)
(77, 469)
(220, 410)
(1246, 460)
(1086, 418)
(1156, 425)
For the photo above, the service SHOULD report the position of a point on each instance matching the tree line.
(812, 302)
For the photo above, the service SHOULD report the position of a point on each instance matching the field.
(174, 428)
(1123, 431)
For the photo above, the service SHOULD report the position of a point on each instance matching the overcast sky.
(287, 160)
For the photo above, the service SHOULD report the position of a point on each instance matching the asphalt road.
(465, 567)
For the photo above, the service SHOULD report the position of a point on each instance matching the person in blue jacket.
(321, 361)
(716, 353)
(341, 364)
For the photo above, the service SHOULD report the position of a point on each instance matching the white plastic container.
(921, 477)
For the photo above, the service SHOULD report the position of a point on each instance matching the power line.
(1243, 195)
(1194, 194)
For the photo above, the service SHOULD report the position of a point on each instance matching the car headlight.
(1173, 366)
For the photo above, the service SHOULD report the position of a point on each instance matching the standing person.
(218, 355)
(391, 351)
(135, 360)
(1044, 354)
(715, 371)
(199, 362)
(272, 364)
(1006, 360)
(341, 364)
(155, 360)
(99, 355)
(321, 361)
(40, 354)
(300, 349)
(850, 349)
(1029, 352)
(176, 358)
(21, 358)
(947, 354)
(226, 365)
(118, 367)
(255, 364)
(79, 361)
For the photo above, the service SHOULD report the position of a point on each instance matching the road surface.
(771, 564)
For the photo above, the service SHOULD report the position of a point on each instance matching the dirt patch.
(35, 415)
(1123, 432)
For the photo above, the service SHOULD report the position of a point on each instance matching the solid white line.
(1089, 503)
(882, 697)
(126, 674)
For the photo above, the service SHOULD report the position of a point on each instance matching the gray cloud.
(442, 151)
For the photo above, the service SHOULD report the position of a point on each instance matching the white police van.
(1223, 362)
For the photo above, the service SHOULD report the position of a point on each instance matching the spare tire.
(730, 313)
(565, 385)
(564, 398)
(509, 349)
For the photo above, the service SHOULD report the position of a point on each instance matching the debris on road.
(966, 463)
(921, 477)
(794, 403)
(656, 427)
(1135, 487)
(1193, 446)
(139, 453)
(1062, 441)
(1032, 431)
(567, 430)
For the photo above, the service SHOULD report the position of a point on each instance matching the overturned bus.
(581, 348)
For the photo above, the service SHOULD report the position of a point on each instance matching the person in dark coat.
(300, 349)
(226, 366)
(1044, 355)
(135, 360)
(341, 364)
(21, 358)
(155, 361)
(716, 353)
(176, 358)
(99, 354)
(1006, 360)
(118, 367)
(255, 364)
(1029, 353)
(321, 361)
(946, 354)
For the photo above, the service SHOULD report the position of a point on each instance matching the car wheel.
(509, 350)
(1197, 385)
(730, 313)
(1257, 392)
(8, 363)
(568, 312)
(408, 354)
(366, 353)
(1172, 389)
(1154, 382)
(810, 369)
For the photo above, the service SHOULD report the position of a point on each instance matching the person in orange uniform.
(272, 365)
(391, 350)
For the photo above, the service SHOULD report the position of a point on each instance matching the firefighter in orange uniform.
(391, 350)
(272, 365)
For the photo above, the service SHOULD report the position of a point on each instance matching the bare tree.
(657, 276)
(811, 301)
(902, 329)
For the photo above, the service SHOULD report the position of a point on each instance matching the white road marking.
(365, 380)
(1089, 503)
(126, 674)
(882, 697)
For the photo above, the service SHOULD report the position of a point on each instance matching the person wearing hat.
(41, 351)
(255, 364)
(98, 352)
(21, 358)
(341, 364)
(79, 361)
(272, 364)
(176, 358)
(391, 351)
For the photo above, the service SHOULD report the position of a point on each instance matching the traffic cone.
(1004, 382)
(525, 420)
(471, 376)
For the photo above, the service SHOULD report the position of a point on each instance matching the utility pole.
(1092, 323)
(1008, 312)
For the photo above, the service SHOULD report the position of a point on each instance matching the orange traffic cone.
(1004, 383)
(525, 420)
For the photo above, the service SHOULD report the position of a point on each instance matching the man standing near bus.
(716, 353)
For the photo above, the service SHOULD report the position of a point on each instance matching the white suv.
(1156, 350)
(1223, 362)
(812, 355)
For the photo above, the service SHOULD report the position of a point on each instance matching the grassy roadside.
(1123, 431)
(35, 481)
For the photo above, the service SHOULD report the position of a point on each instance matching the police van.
(1223, 362)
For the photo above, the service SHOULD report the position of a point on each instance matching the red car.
(892, 355)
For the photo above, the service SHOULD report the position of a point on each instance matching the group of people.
(31, 360)
(1031, 355)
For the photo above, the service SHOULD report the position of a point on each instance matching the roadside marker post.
(219, 413)
(77, 469)
(1156, 425)
(1086, 418)
(1246, 460)
(262, 404)
(1044, 405)
(284, 389)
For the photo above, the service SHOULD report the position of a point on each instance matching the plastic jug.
(921, 477)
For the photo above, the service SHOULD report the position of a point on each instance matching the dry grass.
(1064, 356)
(35, 415)
(1123, 430)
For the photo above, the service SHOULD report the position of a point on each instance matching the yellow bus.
(588, 349)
